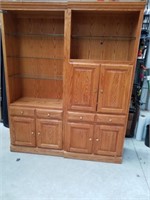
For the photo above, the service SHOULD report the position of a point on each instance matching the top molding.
(75, 5)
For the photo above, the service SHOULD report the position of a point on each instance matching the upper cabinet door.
(114, 88)
(83, 86)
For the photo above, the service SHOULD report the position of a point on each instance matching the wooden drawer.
(49, 114)
(21, 111)
(110, 119)
(80, 117)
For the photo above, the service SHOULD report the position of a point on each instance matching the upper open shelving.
(103, 35)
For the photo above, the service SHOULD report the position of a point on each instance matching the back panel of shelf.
(103, 35)
(35, 52)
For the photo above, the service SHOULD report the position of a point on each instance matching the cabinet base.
(36, 150)
(65, 154)
(93, 157)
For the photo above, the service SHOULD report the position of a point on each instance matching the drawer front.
(21, 111)
(49, 114)
(80, 117)
(110, 119)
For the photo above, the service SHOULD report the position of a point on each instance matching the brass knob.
(110, 120)
(97, 139)
(81, 117)
(90, 139)
(21, 112)
(32, 132)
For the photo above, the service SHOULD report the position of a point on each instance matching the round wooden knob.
(97, 139)
(38, 133)
(48, 114)
(90, 139)
(21, 112)
(32, 132)
(110, 120)
(101, 91)
(81, 117)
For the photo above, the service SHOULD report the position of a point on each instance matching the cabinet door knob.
(21, 112)
(110, 120)
(48, 114)
(101, 91)
(32, 132)
(81, 117)
(38, 133)
(97, 139)
(90, 139)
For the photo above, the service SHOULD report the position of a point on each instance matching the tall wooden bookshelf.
(69, 71)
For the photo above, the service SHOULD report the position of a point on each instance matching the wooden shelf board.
(38, 102)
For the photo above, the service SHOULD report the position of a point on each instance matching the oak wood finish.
(69, 70)
(49, 133)
(114, 88)
(107, 140)
(23, 131)
(83, 86)
(79, 137)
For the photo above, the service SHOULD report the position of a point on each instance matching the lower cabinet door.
(79, 138)
(108, 140)
(23, 131)
(49, 133)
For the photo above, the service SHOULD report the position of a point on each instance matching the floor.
(39, 177)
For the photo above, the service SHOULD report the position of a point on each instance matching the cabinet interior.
(35, 53)
(103, 35)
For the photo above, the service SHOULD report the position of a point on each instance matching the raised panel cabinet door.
(114, 88)
(83, 86)
(23, 131)
(108, 140)
(79, 137)
(49, 133)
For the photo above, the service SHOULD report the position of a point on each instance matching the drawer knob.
(110, 120)
(48, 114)
(81, 117)
(101, 91)
(21, 112)
(32, 132)
(97, 139)
(38, 133)
(90, 139)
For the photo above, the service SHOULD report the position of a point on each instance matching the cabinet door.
(23, 131)
(114, 88)
(49, 133)
(83, 86)
(108, 140)
(79, 137)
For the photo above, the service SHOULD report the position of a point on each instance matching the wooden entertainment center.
(69, 70)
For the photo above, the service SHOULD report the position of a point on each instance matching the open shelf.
(103, 35)
(28, 76)
(34, 35)
(35, 56)
(38, 103)
(29, 57)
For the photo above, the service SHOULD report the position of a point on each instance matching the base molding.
(93, 157)
(65, 154)
(36, 150)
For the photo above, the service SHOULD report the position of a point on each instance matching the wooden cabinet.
(23, 131)
(69, 70)
(114, 88)
(79, 137)
(41, 127)
(108, 140)
(83, 86)
(49, 133)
